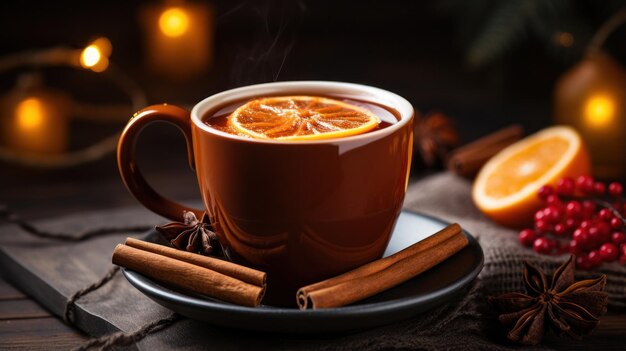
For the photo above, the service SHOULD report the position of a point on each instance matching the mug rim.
(384, 97)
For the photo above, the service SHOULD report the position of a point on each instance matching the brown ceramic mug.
(301, 211)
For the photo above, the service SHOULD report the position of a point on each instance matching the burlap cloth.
(448, 197)
(470, 323)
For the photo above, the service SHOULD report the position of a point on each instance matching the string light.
(96, 55)
(37, 121)
(174, 22)
(90, 56)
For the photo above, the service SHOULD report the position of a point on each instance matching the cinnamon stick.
(385, 273)
(467, 160)
(188, 276)
(240, 272)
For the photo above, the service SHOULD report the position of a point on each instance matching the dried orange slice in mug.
(293, 118)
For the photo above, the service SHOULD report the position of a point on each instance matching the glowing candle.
(591, 97)
(179, 38)
(599, 111)
(35, 122)
(174, 22)
(29, 114)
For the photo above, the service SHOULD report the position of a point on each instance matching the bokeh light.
(29, 114)
(174, 22)
(90, 56)
(599, 111)
(96, 55)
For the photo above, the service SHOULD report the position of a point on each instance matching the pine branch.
(505, 30)
(495, 27)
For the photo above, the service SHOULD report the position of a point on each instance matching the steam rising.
(262, 56)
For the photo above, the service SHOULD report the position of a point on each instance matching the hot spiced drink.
(301, 180)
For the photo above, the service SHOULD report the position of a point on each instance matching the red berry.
(545, 191)
(594, 258)
(575, 248)
(615, 189)
(605, 214)
(609, 252)
(542, 245)
(599, 188)
(527, 237)
(579, 232)
(622, 259)
(542, 226)
(552, 214)
(589, 208)
(618, 238)
(571, 223)
(582, 262)
(553, 200)
(539, 215)
(598, 234)
(573, 209)
(585, 183)
(581, 236)
(595, 237)
(565, 186)
(604, 229)
(616, 223)
(560, 229)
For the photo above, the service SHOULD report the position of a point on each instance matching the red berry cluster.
(583, 217)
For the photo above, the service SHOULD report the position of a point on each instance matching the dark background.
(484, 63)
(417, 49)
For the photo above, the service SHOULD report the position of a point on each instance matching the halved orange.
(293, 118)
(506, 187)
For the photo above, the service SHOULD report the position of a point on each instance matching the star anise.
(435, 136)
(193, 235)
(562, 304)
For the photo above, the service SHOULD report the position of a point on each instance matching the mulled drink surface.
(300, 117)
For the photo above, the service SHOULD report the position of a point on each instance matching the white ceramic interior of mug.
(323, 88)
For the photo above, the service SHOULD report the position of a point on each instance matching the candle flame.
(29, 114)
(174, 22)
(599, 111)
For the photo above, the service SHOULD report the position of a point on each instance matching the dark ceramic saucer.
(440, 284)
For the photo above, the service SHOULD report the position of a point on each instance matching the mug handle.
(126, 161)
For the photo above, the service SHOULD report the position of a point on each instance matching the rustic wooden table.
(24, 325)
(37, 194)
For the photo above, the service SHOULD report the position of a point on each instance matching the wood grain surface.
(25, 325)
